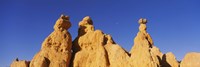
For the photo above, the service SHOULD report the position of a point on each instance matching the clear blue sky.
(173, 25)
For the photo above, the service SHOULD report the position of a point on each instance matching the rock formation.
(56, 48)
(93, 48)
(191, 60)
(20, 63)
(117, 56)
(141, 55)
(169, 60)
(89, 46)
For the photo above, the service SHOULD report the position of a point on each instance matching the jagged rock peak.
(62, 23)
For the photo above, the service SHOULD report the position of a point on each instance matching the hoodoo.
(56, 48)
(93, 48)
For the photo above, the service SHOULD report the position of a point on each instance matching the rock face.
(117, 56)
(56, 48)
(169, 60)
(191, 60)
(20, 63)
(93, 48)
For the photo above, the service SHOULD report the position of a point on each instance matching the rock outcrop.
(191, 60)
(93, 48)
(117, 56)
(56, 48)
(169, 60)
(20, 63)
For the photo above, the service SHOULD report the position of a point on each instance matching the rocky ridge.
(93, 48)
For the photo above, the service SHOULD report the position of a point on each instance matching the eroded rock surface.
(191, 60)
(93, 48)
(141, 55)
(56, 48)
(88, 47)
(20, 63)
(169, 60)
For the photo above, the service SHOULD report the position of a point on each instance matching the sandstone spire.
(56, 48)
(141, 55)
(88, 47)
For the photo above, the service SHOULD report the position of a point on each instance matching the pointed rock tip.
(142, 21)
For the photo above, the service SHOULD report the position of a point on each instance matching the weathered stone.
(93, 48)
(56, 48)
(142, 21)
(156, 55)
(117, 56)
(169, 60)
(191, 59)
(20, 63)
(88, 47)
(141, 55)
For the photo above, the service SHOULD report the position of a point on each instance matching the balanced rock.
(169, 60)
(56, 48)
(141, 55)
(20, 63)
(191, 60)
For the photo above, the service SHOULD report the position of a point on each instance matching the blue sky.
(173, 25)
